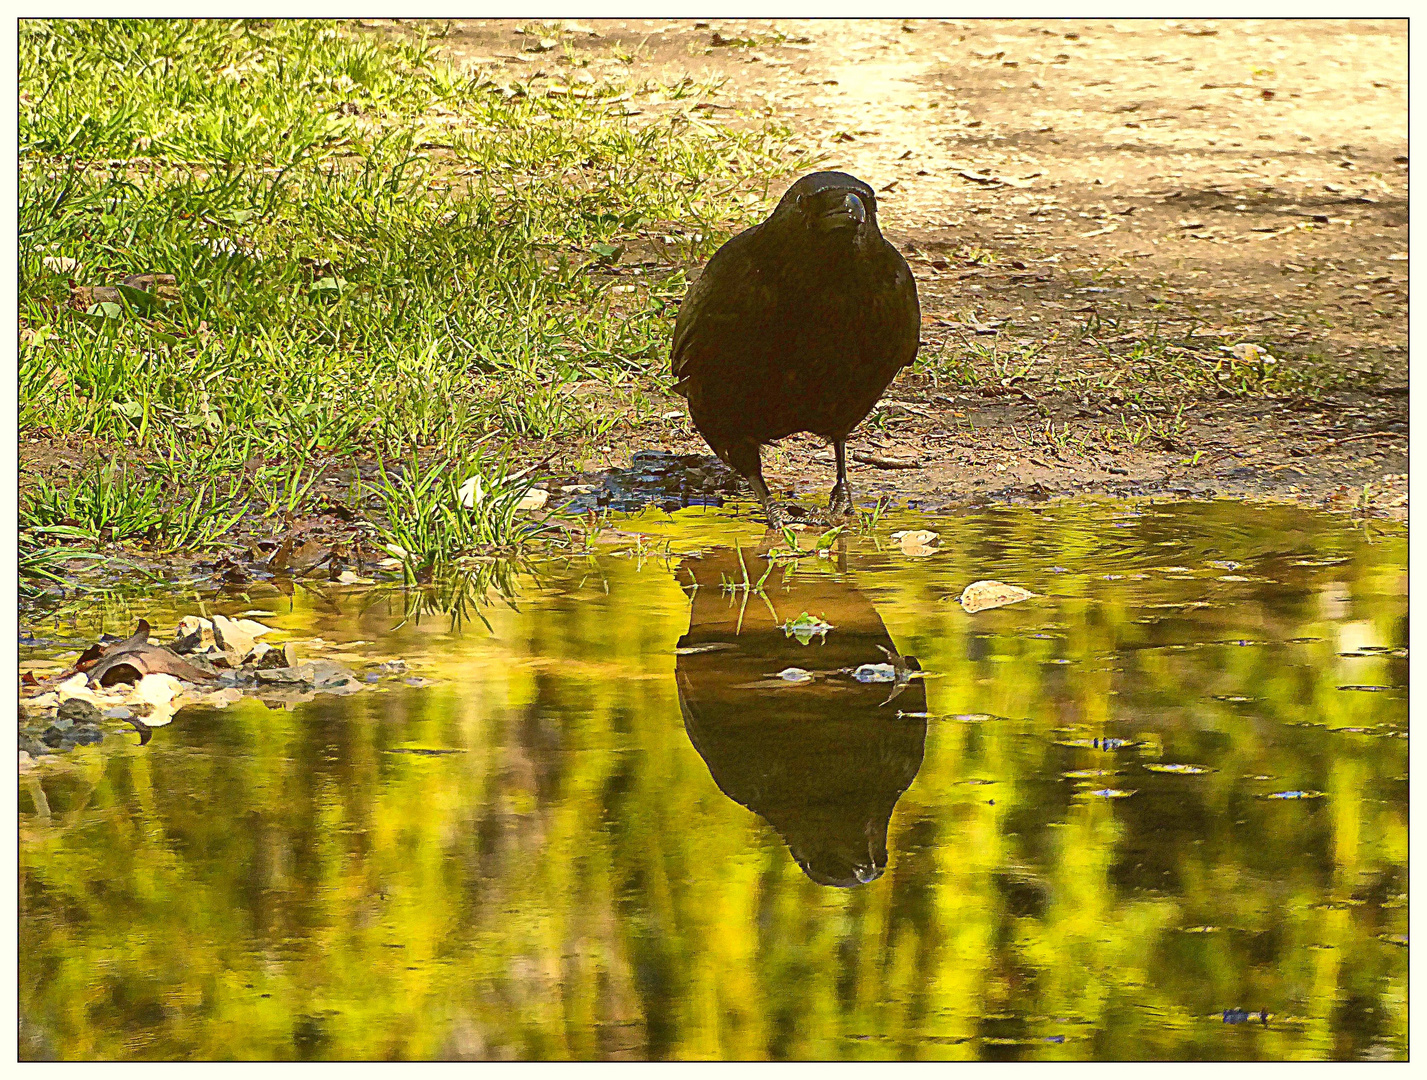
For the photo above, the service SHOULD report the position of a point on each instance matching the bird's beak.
(851, 211)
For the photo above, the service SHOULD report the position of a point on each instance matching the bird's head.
(833, 205)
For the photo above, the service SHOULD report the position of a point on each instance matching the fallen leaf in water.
(794, 674)
(309, 556)
(233, 638)
(1185, 770)
(76, 686)
(133, 664)
(984, 595)
(918, 542)
(191, 634)
(157, 691)
(805, 627)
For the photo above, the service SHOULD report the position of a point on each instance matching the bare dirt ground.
(1096, 212)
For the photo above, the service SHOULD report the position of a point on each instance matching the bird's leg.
(771, 510)
(840, 502)
(749, 461)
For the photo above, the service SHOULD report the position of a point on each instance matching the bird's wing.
(710, 304)
(909, 317)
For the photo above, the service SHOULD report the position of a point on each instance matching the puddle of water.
(1133, 818)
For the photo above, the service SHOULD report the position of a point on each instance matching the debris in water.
(794, 675)
(806, 627)
(1243, 1016)
(918, 542)
(867, 673)
(985, 595)
(137, 682)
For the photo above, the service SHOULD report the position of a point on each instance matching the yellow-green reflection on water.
(585, 878)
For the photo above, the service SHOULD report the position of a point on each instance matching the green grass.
(40, 559)
(170, 510)
(444, 509)
(375, 253)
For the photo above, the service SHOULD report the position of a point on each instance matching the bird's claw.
(840, 504)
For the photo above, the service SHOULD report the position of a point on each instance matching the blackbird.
(797, 324)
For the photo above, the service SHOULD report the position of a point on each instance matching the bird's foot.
(840, 503)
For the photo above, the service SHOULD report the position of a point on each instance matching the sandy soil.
(1069, 192)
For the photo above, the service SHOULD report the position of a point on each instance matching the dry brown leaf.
(133, 664)
(984, 595)
(918, 542)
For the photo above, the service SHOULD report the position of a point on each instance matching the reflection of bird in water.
(822, 761)
(797, 324)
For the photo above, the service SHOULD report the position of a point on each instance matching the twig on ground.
(881, 462)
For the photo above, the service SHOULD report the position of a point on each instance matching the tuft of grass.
(943, 361)
(106, 504)
(425, 519)
(39, 559)
(112, 505)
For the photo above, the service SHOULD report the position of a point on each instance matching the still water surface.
(1160, 812)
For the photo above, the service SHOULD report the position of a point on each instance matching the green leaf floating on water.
(806, 627)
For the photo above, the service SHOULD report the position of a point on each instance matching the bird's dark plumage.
(797, 324)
